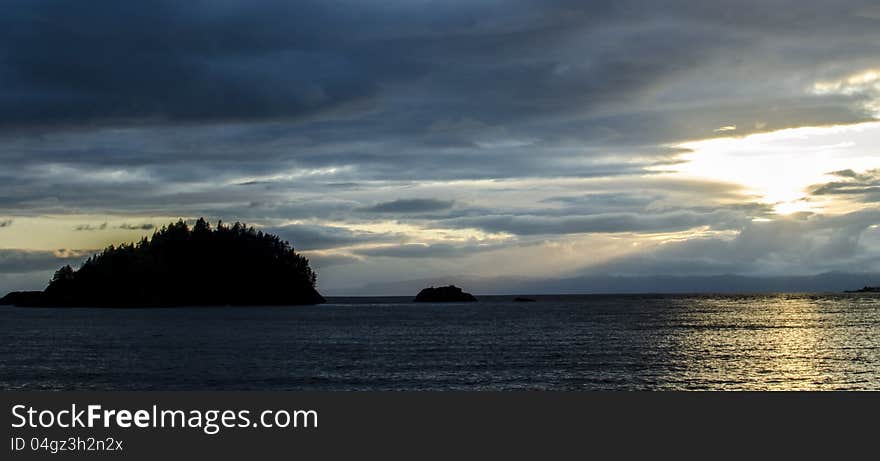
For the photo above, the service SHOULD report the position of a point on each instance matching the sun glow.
(865, 84)
(780, 166)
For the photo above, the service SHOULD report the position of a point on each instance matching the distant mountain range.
(827, 282)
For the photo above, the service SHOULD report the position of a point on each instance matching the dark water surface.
(560, 342)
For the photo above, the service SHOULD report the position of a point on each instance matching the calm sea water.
(560, 342)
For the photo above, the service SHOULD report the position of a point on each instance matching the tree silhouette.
(224, 265)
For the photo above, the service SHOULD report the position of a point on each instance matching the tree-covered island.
(185, 266)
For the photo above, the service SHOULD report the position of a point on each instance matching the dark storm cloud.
(14, 261)
(272, 111)
(304, 208)
(418, 205)
(416, 250)
(621, 200)
(492, 62)
(487, 89)
(317, 237)
(89, 227)
(320, 261)
(863, 187)
(145, 226)
(68, 63)
(602, 223)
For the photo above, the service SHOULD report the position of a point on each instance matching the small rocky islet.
(447, 294)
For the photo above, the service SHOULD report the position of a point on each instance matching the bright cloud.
(780, 166)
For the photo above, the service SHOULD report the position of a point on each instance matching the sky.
(430, 141)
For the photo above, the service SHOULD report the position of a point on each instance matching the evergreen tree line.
(180, 266)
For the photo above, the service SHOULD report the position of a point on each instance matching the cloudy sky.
(428, 140)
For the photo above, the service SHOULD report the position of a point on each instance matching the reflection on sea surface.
(782, 342)
(559, 342)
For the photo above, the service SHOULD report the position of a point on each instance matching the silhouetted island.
(182, 266)
(450, 294)
(865, 290)
(21, 298)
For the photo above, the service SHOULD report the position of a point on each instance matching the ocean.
(597, 342)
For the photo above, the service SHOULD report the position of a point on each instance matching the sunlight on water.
(765, 342)
(784, 342)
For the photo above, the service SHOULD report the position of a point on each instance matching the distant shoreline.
(484, 299)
